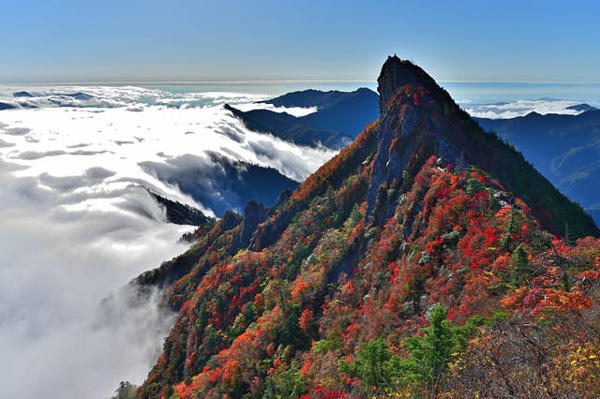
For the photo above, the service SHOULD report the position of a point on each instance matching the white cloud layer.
(76, 225)
(56, 338)
(506, 110)
(122, 96)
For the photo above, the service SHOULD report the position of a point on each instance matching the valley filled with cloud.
(78, 223)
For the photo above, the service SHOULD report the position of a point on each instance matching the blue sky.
(181, 40)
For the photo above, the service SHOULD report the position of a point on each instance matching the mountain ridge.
(338, 120)
(315, 98)
(396, 240)
(450, 133)
(290, 128)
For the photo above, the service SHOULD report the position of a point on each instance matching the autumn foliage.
(458, 293)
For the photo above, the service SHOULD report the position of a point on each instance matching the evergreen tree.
(431, 352)
(376, 366)
(521, 269)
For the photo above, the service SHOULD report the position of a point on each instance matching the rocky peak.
(229, 220)
(395, 73)
(254, 214)
(407, 131)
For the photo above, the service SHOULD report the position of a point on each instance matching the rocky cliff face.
(396, 73)
(407, 99)
(254, 214)
(419, 119)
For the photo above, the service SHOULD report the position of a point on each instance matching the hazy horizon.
(462, 92)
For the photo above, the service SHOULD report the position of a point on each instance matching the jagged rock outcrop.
(419, 119)
(281, 199)
(254, 214)
(400, 120)
(396, 73)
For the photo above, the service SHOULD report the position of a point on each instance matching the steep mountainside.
(228, 185)
(398, 269)
(564, 148)
(339, 119)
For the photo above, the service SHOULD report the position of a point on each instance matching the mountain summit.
(398, 269)
(419, 119)
(396, 73)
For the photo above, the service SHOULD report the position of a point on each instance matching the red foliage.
(306, 319)
(356, 281)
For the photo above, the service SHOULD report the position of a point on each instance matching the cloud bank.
(77, 224)
(56, 337)
(506, 110)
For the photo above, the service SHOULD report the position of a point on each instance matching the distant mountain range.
(56, 99)
(564, 148)
(583, 107)
(340, 116)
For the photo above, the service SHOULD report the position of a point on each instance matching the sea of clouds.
(76, 223)
(513, 109)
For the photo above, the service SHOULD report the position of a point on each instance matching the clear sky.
(185, 40)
